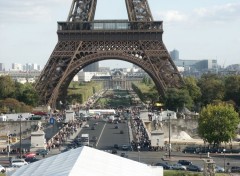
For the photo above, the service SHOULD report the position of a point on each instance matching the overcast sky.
(198, 29)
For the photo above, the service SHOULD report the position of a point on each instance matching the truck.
(69, 116)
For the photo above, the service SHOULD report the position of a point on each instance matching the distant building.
(104, 69)
(2, 67)
(17, 67)
(94, 67)
(174, 54)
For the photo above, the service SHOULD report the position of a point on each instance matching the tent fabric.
(87, 161)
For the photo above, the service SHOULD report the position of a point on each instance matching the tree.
(212, 88)
(178, 99)
(218, 123)
(232, 87)
(7, 87)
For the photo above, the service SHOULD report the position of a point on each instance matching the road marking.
(100, 135)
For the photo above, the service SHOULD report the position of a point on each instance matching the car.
(190, 150)
(184, 162)
(114, 151)
(178, 166)
(31, 160)
(29, 154)
(219, 169)
(94, 139)
(42, 152)
(116, 146)
(194, 168)
(235, 169)
(125, 147)
(164, 165)
(123, 154)
(86, 126)
(18, 162)
(2, 169)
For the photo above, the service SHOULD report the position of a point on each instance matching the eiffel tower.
(83, 40)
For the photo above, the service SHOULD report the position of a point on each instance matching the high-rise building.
(174, 54)
(94, 67)
(2, 67)
(16, 66)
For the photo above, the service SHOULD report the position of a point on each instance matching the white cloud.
(26, 11)
(221, 13)
(171, 16)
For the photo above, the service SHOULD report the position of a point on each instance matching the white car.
(18, 162)
(219, 169)
(86, 126)
(178, 167)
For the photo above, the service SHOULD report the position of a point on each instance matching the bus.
(84, 139)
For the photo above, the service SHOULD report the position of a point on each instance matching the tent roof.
(87, 161)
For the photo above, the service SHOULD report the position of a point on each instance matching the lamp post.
(20, 142)
(169, 132)
(224, 150)
(138, 152)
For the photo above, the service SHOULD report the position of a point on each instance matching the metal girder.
(82, 10)
(148, 54)
(138, 10)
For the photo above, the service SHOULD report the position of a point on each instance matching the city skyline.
(198, 30)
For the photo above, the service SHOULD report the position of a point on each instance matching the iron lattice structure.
(83, 40)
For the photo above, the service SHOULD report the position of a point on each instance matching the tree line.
(16, 97)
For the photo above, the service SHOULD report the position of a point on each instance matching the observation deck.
(110, 30)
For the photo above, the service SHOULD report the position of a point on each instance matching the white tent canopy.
(87, 161)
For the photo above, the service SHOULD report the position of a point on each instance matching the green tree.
(28, 94)
(177, 99)
(7, 87)
(218, 123)
(212, 88)
(193, 89)
(232, 87)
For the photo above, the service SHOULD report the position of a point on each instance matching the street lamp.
(169, 132)
(20, 142)
(138, 152)
(224, 150)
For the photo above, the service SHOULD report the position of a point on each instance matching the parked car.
(190, 150)
(178, 166)
(116, 146)
(2, 169)
(31, 159)
(18, 162)
(42, 152)
(235, 169)
(164, 165)
(125, 147)
(194, 168)
(29, 155)
(185, 162)
(219, 169)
